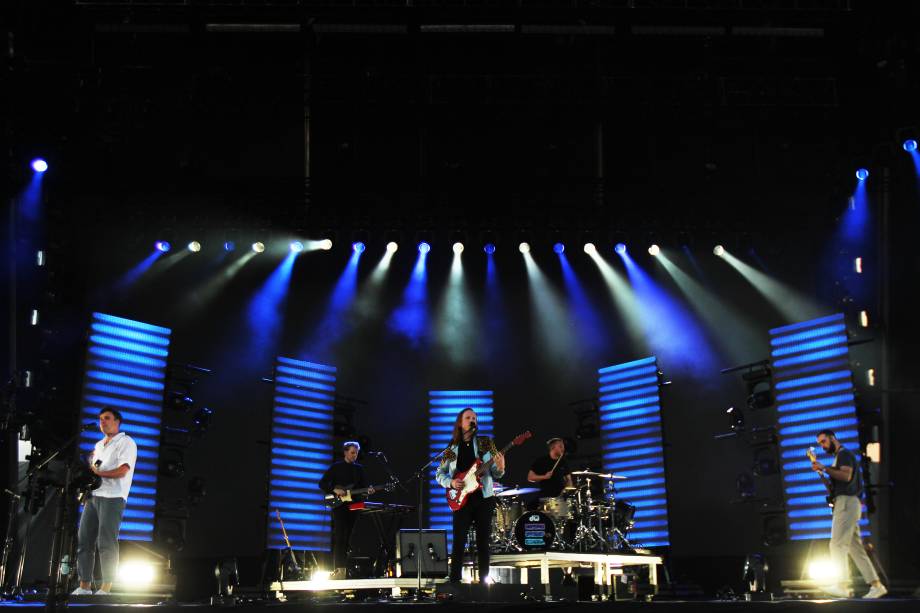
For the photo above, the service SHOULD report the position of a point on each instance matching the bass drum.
(535, 531)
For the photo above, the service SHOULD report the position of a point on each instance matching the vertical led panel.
(443, 408)
(301, 447)
(813, 385)
(630, 415)
(126, 370)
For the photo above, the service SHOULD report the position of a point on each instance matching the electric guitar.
(456, 499)
(810, 452)
(333, 500)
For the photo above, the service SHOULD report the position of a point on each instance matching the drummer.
(550, 471)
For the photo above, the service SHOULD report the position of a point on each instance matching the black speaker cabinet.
(431, 549)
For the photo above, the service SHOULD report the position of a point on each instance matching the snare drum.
(535, 531)
(558, 508)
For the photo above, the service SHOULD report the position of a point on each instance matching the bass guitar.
(333, 500)
(456, 499)
(810, 452)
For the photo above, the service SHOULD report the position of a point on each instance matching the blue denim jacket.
(448, 467)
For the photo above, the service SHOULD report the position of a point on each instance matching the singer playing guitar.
(464, 449)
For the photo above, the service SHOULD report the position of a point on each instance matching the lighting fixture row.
(423, 247)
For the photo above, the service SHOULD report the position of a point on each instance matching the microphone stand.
(419, 476)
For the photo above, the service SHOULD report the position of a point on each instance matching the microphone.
(474, 427)
(97, 463)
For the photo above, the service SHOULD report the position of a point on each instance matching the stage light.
(862, 174)
(325, 244)
(320, 575)
(358, 247)
(489, 248)
(559, 248)
(857, 265)
(823, 570)
(39, 165)
(870, 377)
(590, 248)
(654, 250)
(424, 247)
(296, 247)
(718, 250)
(620, 248)
(864, 319)
(258, 247)
(136, 573)
(524, 247)
(194, 246)
(163, 246)
(910, 145)
(392, 246)
(229, 246)
(458, 247)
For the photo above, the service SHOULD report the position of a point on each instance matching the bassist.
(339, 477)
(845, 487)
(465, 448)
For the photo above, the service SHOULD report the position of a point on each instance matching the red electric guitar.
(456, 499)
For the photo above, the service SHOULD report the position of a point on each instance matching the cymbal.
(519, 491)
(588, 473)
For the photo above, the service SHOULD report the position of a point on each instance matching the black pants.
(343, 523)
(478, 512)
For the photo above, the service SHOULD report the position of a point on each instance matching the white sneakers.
(876, 592)
(81, 592)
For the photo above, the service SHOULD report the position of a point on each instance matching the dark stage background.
(198, 134)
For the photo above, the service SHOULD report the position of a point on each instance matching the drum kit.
(586, 517)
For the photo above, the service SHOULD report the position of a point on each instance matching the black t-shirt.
(853, 487)
(552, 487)
(465, 456)
(347, 474)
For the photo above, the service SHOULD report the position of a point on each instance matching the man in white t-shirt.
(113, 459)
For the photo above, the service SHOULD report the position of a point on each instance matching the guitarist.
(845, 488)
(347, 473)
(464, 449)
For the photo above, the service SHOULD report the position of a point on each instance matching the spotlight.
(620, 248)
(458, 248)
(163, 246)
(857, 265)
(559, 248)
(325, 244)
(489, 248)
(862, 174)
(654, 250)
(392, 246)
(136, 573)
(229, 246)
(424, 247)
(194, 246)
(320, 575)
(910, 145)
(718, 250)
(524, 247)
(590, 248)
(358, 247)
(823, 570)
(296, 246)
(864, 319)
(39, 165)
(258, 247)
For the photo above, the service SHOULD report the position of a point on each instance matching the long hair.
(457, 434)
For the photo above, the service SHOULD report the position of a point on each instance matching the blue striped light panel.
(630, 416)
(444, 405)
(301, 451)
(813, 385)
(126, 370)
